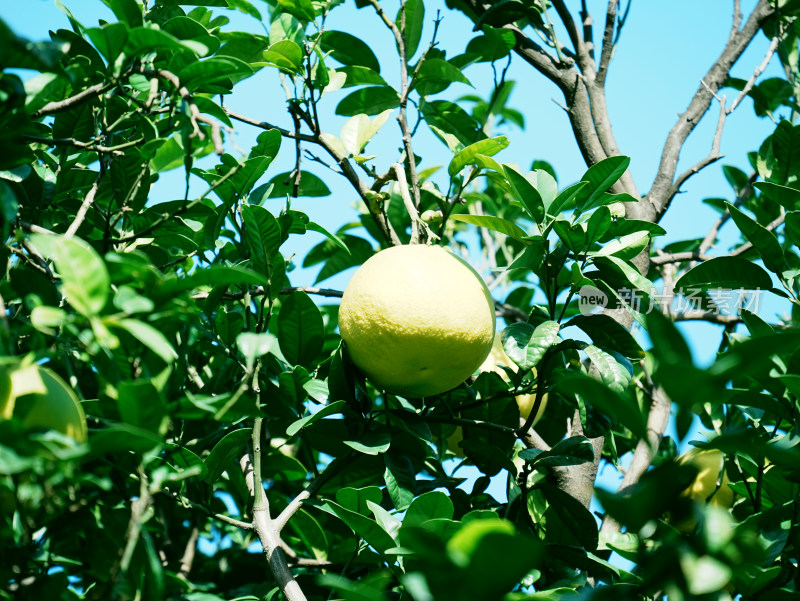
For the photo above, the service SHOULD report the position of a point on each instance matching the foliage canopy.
(224, 414)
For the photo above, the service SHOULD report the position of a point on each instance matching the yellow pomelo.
(710, 464)
(417, 320)
(498, 357)
(41, 400)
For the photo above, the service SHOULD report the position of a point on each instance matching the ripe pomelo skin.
(709, 463)
(417, 320)
(42, 400)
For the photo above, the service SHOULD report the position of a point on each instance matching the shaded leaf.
(301, 332)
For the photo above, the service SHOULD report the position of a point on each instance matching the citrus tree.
(179, 419)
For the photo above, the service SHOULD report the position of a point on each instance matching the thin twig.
(261, 290)
(709, 316)
(188, 553)
(405, 90)
(773, 46)
(608, 42)
(68, 103)
(409, 204)
(286, 133)
(312, 489)
(84, 208)
(91, 146)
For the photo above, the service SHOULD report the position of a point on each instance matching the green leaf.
(400, 480)
(431, 505)
(8, 208)
(280, 467)
(574, 450)
(302, 9)
(215, 275)
(309, 530)
(725, 272)
(792, 229)
(335, 258)
(196, 75)
(437, 70)
(228, 448)
(310, 186)
(301, 332)
(366, 528)
(597, 225)
(444, 117)
(358, 499)
(349, 50)
(143, 40)
(369, 101)
(599, 178)
(127, 11)
(763, 240)
(627, 246)
(704, 574)
(331, 409)
(788, 198)
(141, 405)
(374, 442)
(359, 130)
(355, 75)
(498, 224)
(624, 269)
(110, 40)
(785, 146)
(494, 558)
(605, 200)
(253, 345)
(493, 45)
(262, 234)
(488, 147)
(525, 193)
(618, 407)
(572, 235)
(613, 374)
(243, 6)
(576, 517)
(605, 331)
(286, 55)
(151, 337)
(566, 199)
(504, 12)
(84, 278)
(526, 345)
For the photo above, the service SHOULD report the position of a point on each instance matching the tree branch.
(268, 126)
(68, 103)
(709, 316)
(608, 43)
(646, 448)
(312, 489)
(88, 201)
(263, 524)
